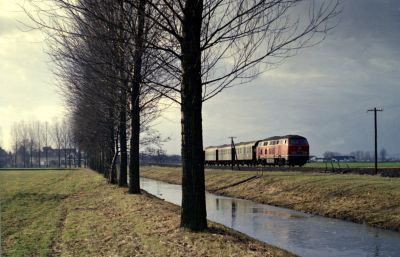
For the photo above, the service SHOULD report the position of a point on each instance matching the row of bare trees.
(357, 155)
(32, 141)
(117, 59)
(101, 70)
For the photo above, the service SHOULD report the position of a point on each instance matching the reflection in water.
(300, 233)
(233, 214)
(277, 213)
(376, 253)
(377, 245)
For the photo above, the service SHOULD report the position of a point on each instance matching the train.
(291, 150)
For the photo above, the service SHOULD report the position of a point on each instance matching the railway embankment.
(373, 200)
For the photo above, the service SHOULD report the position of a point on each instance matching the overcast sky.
(26, 81)
(322, 93)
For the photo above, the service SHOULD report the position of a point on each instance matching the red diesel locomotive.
(279, 150)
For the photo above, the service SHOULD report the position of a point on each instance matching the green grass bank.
(374, 200)
(76, 213)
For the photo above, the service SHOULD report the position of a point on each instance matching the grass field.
(374, 200)
(383, 165)
(75, 213)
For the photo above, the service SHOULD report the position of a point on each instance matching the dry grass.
(367, 199)
(75, 213)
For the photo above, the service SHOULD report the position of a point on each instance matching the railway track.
(389, 172)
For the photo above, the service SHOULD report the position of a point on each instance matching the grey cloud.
(371, 19)
(359, 68)
(7, 26)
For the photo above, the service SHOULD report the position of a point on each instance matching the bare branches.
(113, 56)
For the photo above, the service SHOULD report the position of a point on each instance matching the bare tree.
(23, 131)
(383, 154)
(104, 42)
(16, 139)
(214, 44)
(45, 136)
(199, 48)
(46, 141)
(39, 139)
(57, 137)
(32, 138)
(65, 139)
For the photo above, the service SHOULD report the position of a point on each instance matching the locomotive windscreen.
(298, 141)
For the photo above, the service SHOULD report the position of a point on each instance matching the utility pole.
(233, 151)
(375, 110)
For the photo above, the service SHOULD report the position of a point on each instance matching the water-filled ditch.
(297, 232)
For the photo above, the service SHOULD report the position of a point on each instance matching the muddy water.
(297, 232)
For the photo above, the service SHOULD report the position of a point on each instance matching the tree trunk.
(193, 214)
(16, 154)
(134, 177)
(79, 157)
(123, 169)
(101, 163)
(47, 158)
(40, 165)
(59, 157)
(113, 168)
(113, 172)
(31, 155)
(24, 155)
(110, 151)
(69, 158)
(65, 157)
